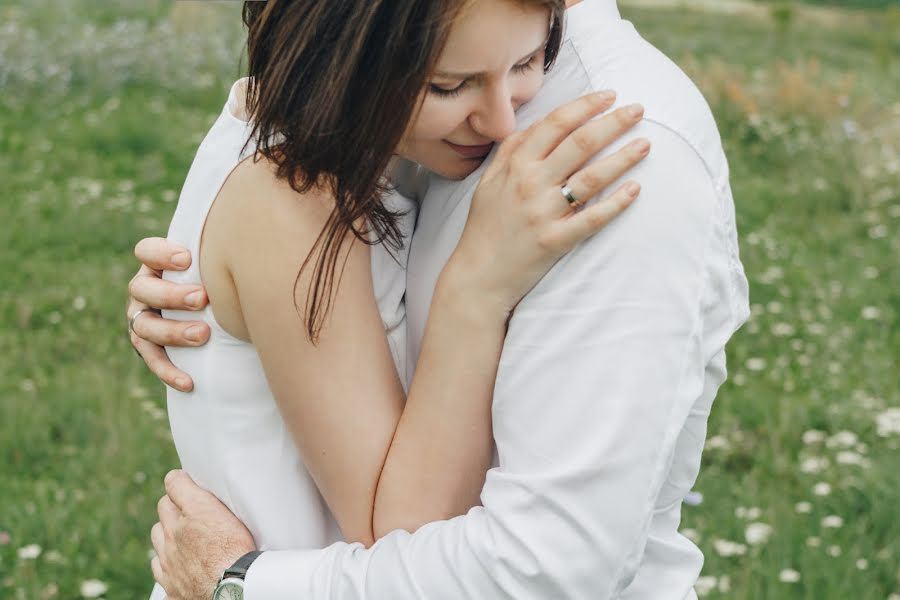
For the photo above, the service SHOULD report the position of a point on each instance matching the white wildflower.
(813, 541)
(834, 551)
(842, 439)
(757, 533)
(789, 576)
(705, 585)
(693, 498)
(29, 552)
(93, 588)
(846, 457)
(803, 508)
(871, 313)
(813, 436)
(728, 548)
(755, 364)
(862, 564)
(832, 522)
(78, 303)
(718, 442)
(822, 489)
(888, 422)
(782, 329)
(814, 464)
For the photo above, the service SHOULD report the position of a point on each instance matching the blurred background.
(102, 105)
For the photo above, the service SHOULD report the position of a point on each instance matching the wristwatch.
(231, 585)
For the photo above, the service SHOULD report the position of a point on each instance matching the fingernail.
(642, 146)
(632, 188)
(181, 259)
(195, 298)
(635, 110)
(606, 95)
(192, 333)
(183, 384)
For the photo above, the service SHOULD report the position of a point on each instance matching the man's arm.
(601, 365)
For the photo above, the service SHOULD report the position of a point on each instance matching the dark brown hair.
(333, 85)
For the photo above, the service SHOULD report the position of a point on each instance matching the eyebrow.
(447, 75)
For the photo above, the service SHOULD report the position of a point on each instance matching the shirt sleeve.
(601, 365)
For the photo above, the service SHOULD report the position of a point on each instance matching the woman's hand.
(521, 221)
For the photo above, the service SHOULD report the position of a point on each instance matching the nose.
(495, 117)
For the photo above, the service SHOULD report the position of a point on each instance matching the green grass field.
(101, 108)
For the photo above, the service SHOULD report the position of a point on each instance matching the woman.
(289, 406)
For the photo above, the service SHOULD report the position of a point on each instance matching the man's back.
(609, 368)
(604, 52)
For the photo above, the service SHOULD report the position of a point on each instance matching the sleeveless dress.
(228, 432)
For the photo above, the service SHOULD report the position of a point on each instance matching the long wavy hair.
(333, 86)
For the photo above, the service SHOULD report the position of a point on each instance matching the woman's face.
(493, 62)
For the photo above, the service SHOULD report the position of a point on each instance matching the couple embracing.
(468, 272)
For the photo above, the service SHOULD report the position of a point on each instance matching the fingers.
(589, 139)
(158, 573)
(547, 134)
(151, 327)
(509, 145)
(158, 362)
(168, 515)
(182, 490)
(161, 255)
(596, 177)
(584, 224)
(158, 539)
(151, 289)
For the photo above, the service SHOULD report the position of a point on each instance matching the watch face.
(230, 589)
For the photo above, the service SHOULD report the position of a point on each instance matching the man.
(609, 369)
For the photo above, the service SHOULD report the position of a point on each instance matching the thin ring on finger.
(134, 317)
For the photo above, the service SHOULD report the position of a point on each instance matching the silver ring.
(568, 195)
(135, 316)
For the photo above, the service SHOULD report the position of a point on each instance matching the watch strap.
(241, 565)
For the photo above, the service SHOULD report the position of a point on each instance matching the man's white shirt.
(607, 376)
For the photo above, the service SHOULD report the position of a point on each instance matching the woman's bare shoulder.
(264, 205)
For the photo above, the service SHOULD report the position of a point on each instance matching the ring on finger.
(569, 195)
(134, 317)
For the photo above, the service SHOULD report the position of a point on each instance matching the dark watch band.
(240, 566)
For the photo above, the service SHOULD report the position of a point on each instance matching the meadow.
(101, 108)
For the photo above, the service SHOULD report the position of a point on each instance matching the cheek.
(529, 85)
(439, 118)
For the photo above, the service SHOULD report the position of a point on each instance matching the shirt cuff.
(282, 575)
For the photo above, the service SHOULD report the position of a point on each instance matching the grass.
(102, 108)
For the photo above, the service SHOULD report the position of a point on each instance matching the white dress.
(228, 432)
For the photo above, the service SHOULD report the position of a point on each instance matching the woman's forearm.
(443, 444)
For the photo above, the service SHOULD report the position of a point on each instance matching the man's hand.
(195, 540)
(150, 293)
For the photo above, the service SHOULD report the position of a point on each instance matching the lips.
(471, 151)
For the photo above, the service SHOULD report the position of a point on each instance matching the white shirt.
(608, 372)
